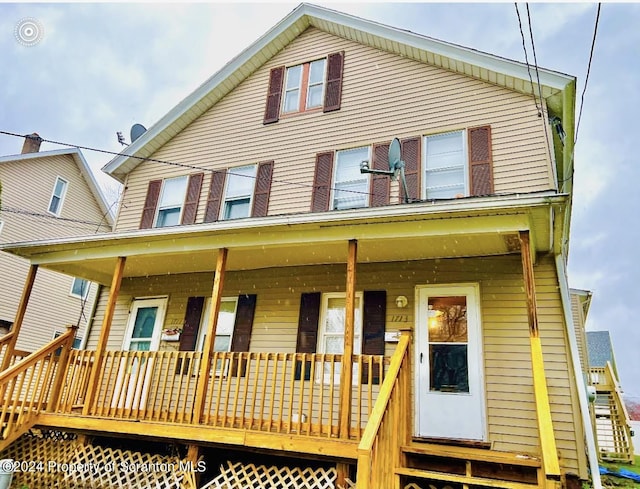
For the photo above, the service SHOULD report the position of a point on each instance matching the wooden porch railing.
(17, 354)
(272, 392)
(388, 427)
(29, 386)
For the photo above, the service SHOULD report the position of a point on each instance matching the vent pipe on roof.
(32, 143)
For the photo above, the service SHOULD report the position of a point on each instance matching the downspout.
(92, 317)
(577, 372)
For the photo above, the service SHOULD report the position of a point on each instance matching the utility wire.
(526, 59)
(61, 220)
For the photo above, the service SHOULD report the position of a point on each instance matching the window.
(57, 197)
(171, 201)
(331, 330)
(224, 328)
(445, 158)
(304, 87)
(75, 346)
(351, 188)
(1, 226)
(79, 288)
(238, 192)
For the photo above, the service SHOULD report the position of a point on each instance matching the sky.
(79, 72)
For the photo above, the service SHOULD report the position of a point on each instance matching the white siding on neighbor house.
(26, 192)
(511, 412)
(635, 426)
(383, 96)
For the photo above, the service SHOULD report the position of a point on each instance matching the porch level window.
(79, 288)
(171, 201)
(445, 166)
(448, 341)
(238, 192)
(224, 329)
(351, 188)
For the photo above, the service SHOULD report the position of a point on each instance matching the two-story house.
(49, 194)
(275, 285)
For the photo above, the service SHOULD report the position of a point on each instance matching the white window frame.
(228, 199)
(161, 208)
(300, 87)
(465, 163)
(1, 226)
(137, 303)
(363, 176)
(204, 326)
(86, 292)
(76, 341)
(60, 198)
(325, 377)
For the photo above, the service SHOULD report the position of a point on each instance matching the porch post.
(550, 461)
(207, 350)
(17, 324)
(116, 281)
(346, 369)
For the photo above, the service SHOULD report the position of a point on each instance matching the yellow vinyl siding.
(507, 375)
(420, 100)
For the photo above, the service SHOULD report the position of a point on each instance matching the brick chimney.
(31, 143)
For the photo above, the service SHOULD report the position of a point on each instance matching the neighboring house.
(47, 195)
(263, 296)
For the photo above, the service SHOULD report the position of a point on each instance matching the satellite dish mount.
(396, 167)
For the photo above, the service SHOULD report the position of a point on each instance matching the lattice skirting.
(250, 476)
(62, 462)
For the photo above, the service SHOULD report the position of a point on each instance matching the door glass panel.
(448, 338)
(145, 320)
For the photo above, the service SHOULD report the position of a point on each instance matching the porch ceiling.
(383, 236)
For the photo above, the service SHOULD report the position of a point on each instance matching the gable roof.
(82, 165)
(490, 68)
(600, 349)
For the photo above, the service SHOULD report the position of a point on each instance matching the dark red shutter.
(150, 204)
(242, 328)
(380, 184)
(322, 182)
(333, 89)
(411, 157)
(307, 330)
(263, 188)
(373, 328)
(192, 198)
(215, 196)
(274, 95)
(480, 161)
(190, 328)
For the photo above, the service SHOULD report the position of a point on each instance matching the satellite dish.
(394, 155)
(137, 130)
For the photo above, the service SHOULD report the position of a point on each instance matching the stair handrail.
(616, 392)
(380, 409)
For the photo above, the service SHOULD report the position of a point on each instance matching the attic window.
(57, 196)
(304, 86)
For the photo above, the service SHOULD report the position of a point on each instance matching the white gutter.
(577, 372)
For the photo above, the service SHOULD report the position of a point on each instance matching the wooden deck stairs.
(429, 465)
(612, 424)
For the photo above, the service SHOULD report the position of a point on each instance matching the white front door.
(449, 380)
(143, 333)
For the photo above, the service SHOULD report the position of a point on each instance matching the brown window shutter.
(192, 198)
(245, 312)
(150, 204)
(333, 88)
(380, 185)
(373, 328)
(274, 95)
(263, 188)
(215, 196)
(410, 149)
(192, 318)
(480, 161)
(308, 320)
(322, 182)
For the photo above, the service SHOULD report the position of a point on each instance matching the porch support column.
(207, 350)
(116, 282)
(346, 369)
(17, 324)
(550, 461)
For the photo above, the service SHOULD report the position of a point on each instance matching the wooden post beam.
(550, 460)
(116, 282)
(346, 369)
(207, 350)
(22, 309)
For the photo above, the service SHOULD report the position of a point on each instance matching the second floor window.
(57, 197)
(238, 192)
(79, 288)
(350, 187)
(446, 174)
(171, 201)
(304, 86)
